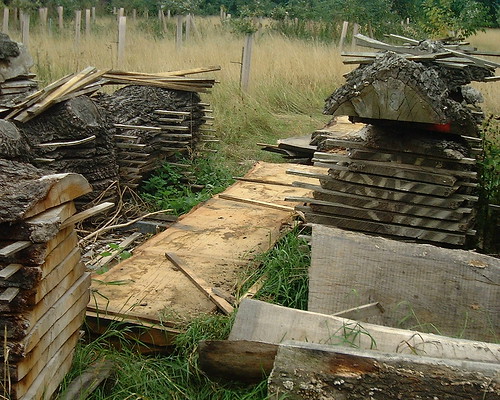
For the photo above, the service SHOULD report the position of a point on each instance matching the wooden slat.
(13, 248)
(9, 270)
(255, 202)
(87, 214)
(221, 303)
(8, 295)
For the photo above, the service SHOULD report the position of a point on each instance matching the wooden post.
(114, 10)
(93, 15)
(160, 15)
(87, 22)
(122, 27)
(343, 35)
(5, 26)
(60, 11)
(169, 15)
(78, 26)
(246, 62)
(355, 31)
(121, 12)
(42, 14)
(178, 34)
(25, 26)
(188, 26)
(134, 14)
(222, 13)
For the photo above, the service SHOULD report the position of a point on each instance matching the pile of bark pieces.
(352, 343)
(410, 173)
(44, 288)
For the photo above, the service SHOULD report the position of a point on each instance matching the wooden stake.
(246, 62)
(87, 22)
(42, 13)
(93, 15)
(78, 25)
(5, 26)
(221, 303)
(122, 28)
(355, 30)
(343, 35)
(26, 29)
(178, 34)
(188, 26)
(60, 12)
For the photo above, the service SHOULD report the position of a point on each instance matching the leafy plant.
(169, 187)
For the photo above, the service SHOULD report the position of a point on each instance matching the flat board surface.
(217, 241)
(263, 322)
(422, 287)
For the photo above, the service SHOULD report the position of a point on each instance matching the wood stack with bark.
(44, 288)
(154, 124)
(411, 172)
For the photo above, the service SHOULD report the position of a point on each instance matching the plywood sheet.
(422, 287)
(217, 241)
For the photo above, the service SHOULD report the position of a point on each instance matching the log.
(306, 371)
(236, 360)
(269, 323)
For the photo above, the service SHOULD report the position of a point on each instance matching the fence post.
(5, 26)
(122, 28)
(78, 26)
(246, 62)
(134, 15)
(60, 17)
(42, 14)
(87, 22)
(188, 26)
(178, 33)
(343, 35)
(25, 27)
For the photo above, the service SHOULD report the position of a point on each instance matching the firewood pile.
(44, 289)
(409, 170)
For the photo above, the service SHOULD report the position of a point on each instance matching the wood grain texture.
(420, 286)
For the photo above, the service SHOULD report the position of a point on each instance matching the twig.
(110, 227)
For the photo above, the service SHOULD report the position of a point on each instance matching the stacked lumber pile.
(44, 288)
(155, 124)
(415, 186)
(16, 82)
(411, 172)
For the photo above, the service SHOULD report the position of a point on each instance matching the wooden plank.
(90, 212)
(334, 187)
(221, 303)
(65, 187)
(28, 367)
(393, 164)
(340, 209)
(269, 323)
(8, 294)
(380, 228)
(62, 312)
(306, 370)
(388, 205)
(9, 270)
(420, 286)
(114, 253)
(69, 143)
(256, 202)
(12, 248)
(40, 228)
(236, 360)
(85, 383)
(138, 127)
(362, 312)
(52, 375)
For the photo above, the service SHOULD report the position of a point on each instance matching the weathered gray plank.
(270, 323)
(421, 287)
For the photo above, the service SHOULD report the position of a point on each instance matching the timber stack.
(44, 288)
(407, 168)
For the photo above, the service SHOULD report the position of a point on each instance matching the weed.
(168, 188)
